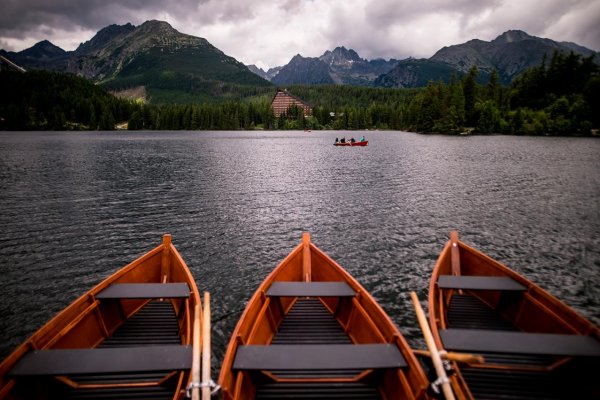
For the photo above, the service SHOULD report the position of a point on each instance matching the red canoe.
(365, 143)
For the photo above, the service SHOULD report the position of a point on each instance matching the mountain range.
(339, 66)
(510, 54)
(156, 61)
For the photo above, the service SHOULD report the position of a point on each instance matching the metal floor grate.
(468, 312)
(153, 325)
(324, 390)
(309, 322)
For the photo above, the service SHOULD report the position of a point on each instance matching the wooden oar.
(455, 253)
(458, 357)
(434, 352)
(206, 389)
(196, 353)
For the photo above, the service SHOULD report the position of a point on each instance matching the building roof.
(283, 100)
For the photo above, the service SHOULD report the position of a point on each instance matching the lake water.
(75, 207)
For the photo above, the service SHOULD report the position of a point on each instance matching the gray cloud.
(24, 16)
(270, 32)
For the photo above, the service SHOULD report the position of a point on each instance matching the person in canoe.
(337, 140)
(343, 140)
(362, 138)
(352, 140)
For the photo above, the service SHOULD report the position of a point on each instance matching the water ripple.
(77, 207)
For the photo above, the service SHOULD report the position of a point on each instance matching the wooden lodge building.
(283, 100)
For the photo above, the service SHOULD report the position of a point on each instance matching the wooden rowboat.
(534, 345)
(128, 337)
(365, 143)
(312, 331)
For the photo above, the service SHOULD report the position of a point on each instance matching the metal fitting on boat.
(211, 384)
(435, 385)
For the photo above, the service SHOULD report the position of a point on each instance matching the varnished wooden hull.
(266, 321)
(89, 323)
(505, 312)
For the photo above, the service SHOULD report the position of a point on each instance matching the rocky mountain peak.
(340, 65)
(157, 27)
(348, 54)
(158, 35)
(512, 36)
(44, 48)
(268, 75)
(103, 37)
(340, 56)
(157, 32)
(297, 59)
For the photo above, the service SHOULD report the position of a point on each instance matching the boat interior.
(533, 345)
(311, 330)
(129, 337)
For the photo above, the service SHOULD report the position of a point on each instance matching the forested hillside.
(43, 100)
(560, 97)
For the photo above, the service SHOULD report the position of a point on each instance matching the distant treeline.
(559, 97)
(334, 107)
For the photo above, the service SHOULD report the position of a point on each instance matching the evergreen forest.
(559, 97)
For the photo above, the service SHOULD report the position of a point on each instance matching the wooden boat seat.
(318, 357)
(504, 283)
(477, 340)
(145, 291)
(310, 289)
(104, 360)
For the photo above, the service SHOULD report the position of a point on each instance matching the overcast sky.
(269, 33)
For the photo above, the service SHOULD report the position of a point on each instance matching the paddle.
(208, 383)
(433, 350)
(195, 384)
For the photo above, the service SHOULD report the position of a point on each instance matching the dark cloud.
(384, 13)
(18, 18)
(271, 32)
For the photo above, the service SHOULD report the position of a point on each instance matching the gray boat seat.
(103, 360)
(504, 283)
(478, 340)
(145, 291)
(318, 357)
(310, 289)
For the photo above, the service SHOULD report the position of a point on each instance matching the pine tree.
(493, 88)
(470, 94)
(93, 124)
(107, 120)
(456, 107)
